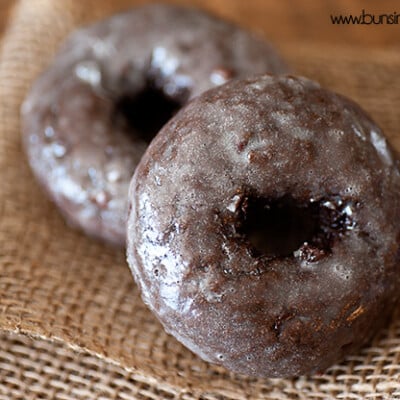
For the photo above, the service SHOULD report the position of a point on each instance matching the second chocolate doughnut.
(90, 116)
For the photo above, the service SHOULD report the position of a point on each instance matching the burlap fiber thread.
(73, 325)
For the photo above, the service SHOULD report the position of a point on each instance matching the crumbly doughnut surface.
(264, 226)
(90, 116)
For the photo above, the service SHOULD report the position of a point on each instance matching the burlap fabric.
(73, 324)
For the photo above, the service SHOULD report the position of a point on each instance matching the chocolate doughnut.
(90, 116)
(264, 228)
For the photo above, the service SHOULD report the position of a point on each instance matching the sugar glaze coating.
(289, 144)
(79, 147)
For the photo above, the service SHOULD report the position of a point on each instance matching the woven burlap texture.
(71, 294)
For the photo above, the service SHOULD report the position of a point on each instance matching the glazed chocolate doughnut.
(89, 118)
(263, 227)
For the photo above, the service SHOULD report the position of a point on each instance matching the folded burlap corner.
(69, 293)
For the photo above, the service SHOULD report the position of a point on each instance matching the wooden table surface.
(308, 20)
(5, 8)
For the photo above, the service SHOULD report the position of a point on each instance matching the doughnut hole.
(284, 227)
(146, 112)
